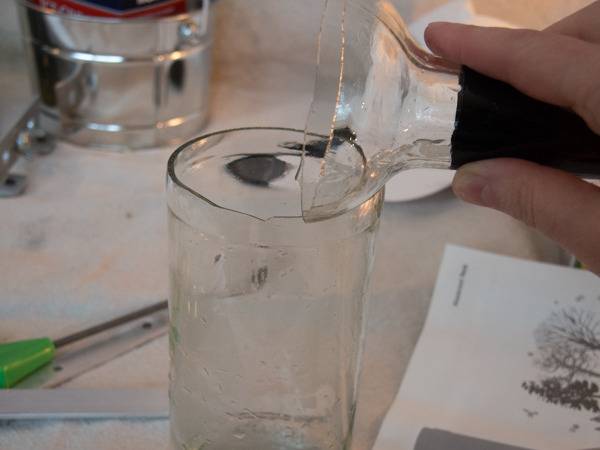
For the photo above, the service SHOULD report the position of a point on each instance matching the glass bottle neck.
(395, 106)
(430, 88)
(426, 122)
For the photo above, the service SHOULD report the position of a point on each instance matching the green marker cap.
(21, 358)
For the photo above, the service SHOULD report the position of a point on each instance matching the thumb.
(560, 205)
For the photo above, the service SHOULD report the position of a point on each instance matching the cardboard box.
(116, 8)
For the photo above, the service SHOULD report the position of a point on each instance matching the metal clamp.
(24, 140)
(193, 31)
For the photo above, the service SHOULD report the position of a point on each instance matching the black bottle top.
(494, 120)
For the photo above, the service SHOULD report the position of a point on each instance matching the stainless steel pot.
(119, 83)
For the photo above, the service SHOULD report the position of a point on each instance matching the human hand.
(559, 65)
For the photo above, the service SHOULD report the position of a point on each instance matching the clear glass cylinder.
(266, 309)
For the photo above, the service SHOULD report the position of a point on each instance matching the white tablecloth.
(88, 240)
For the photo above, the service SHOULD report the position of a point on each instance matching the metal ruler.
(83, 404)
(40, 397)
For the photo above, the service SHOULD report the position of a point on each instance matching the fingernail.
(431, 44)
(432, 29)
(470, 185)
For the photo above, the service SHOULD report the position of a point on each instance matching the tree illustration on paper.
(568, 345)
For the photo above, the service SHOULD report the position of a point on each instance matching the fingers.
(583, 24)
(551, 67)
(560, 205)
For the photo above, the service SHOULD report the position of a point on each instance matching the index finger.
(550, 67)
(583, 24)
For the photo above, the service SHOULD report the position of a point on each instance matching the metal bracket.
(194, 30)
(13, 186)
(83, 356)
(24, 140)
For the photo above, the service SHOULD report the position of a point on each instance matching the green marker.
(21, 358)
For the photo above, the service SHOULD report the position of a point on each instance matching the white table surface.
(89, 240)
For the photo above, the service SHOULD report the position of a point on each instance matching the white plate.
(417, 183)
